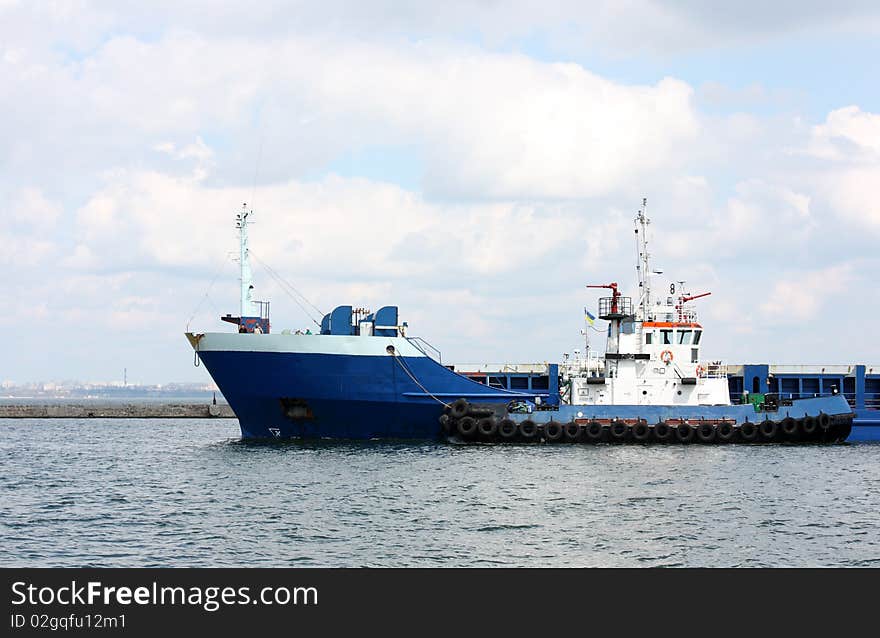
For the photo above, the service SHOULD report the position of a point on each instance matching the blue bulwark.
(386, 317)
(340, 321)
(553, 375)
(755, 378)
(860, 387)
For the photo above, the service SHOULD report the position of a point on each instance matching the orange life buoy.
(700, 370)
(666, 357)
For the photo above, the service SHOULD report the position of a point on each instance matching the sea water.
(190, 493)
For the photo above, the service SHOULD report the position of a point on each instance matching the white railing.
(583, 364)
(714, 370)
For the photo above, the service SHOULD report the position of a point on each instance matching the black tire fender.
(507, 429)
(467, 427)
(459, 409)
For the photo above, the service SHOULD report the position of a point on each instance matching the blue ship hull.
(355, 395)
(866, 426)
(285, 386)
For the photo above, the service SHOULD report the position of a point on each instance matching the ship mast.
(246, 277)
(643, 266)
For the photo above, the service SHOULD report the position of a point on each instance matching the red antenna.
(679, 307)
(692, 297)
(614, 293)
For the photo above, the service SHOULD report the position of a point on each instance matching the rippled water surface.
(189, 493)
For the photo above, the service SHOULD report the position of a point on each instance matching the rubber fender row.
(481, 425)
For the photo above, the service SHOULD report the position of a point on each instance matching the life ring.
(666, 357)
(700, 370)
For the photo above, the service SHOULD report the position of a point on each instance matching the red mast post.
(614, 293)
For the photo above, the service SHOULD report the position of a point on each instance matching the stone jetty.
(158, 410)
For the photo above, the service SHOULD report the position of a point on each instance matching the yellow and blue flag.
(590, 318)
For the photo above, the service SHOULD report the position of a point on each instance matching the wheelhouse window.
(649, 337)
(697, 335)
(666, 337)
(684, 337)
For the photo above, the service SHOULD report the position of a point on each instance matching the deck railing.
(715, 370)
(426, 348)
(615, 307)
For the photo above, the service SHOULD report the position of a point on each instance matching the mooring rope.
(393, 352)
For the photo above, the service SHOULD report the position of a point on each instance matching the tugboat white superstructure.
(653, 351)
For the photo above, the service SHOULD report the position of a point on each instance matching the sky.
(475, 163)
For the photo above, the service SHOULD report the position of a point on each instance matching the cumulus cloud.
(132, 136)
(848, 143)
(800, 296)
(847, 134)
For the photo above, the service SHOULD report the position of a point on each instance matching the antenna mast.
(643, 266)
(241, 222)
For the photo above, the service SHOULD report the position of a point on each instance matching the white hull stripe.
(304, 344)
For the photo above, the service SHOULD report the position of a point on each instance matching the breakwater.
(152, 410)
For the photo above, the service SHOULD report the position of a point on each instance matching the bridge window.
(648, 337)
(684, 337)
(666, 337)
(697, 335)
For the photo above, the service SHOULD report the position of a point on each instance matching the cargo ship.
(362, 376)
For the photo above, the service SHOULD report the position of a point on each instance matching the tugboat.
(361, 376)
(651, 385)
